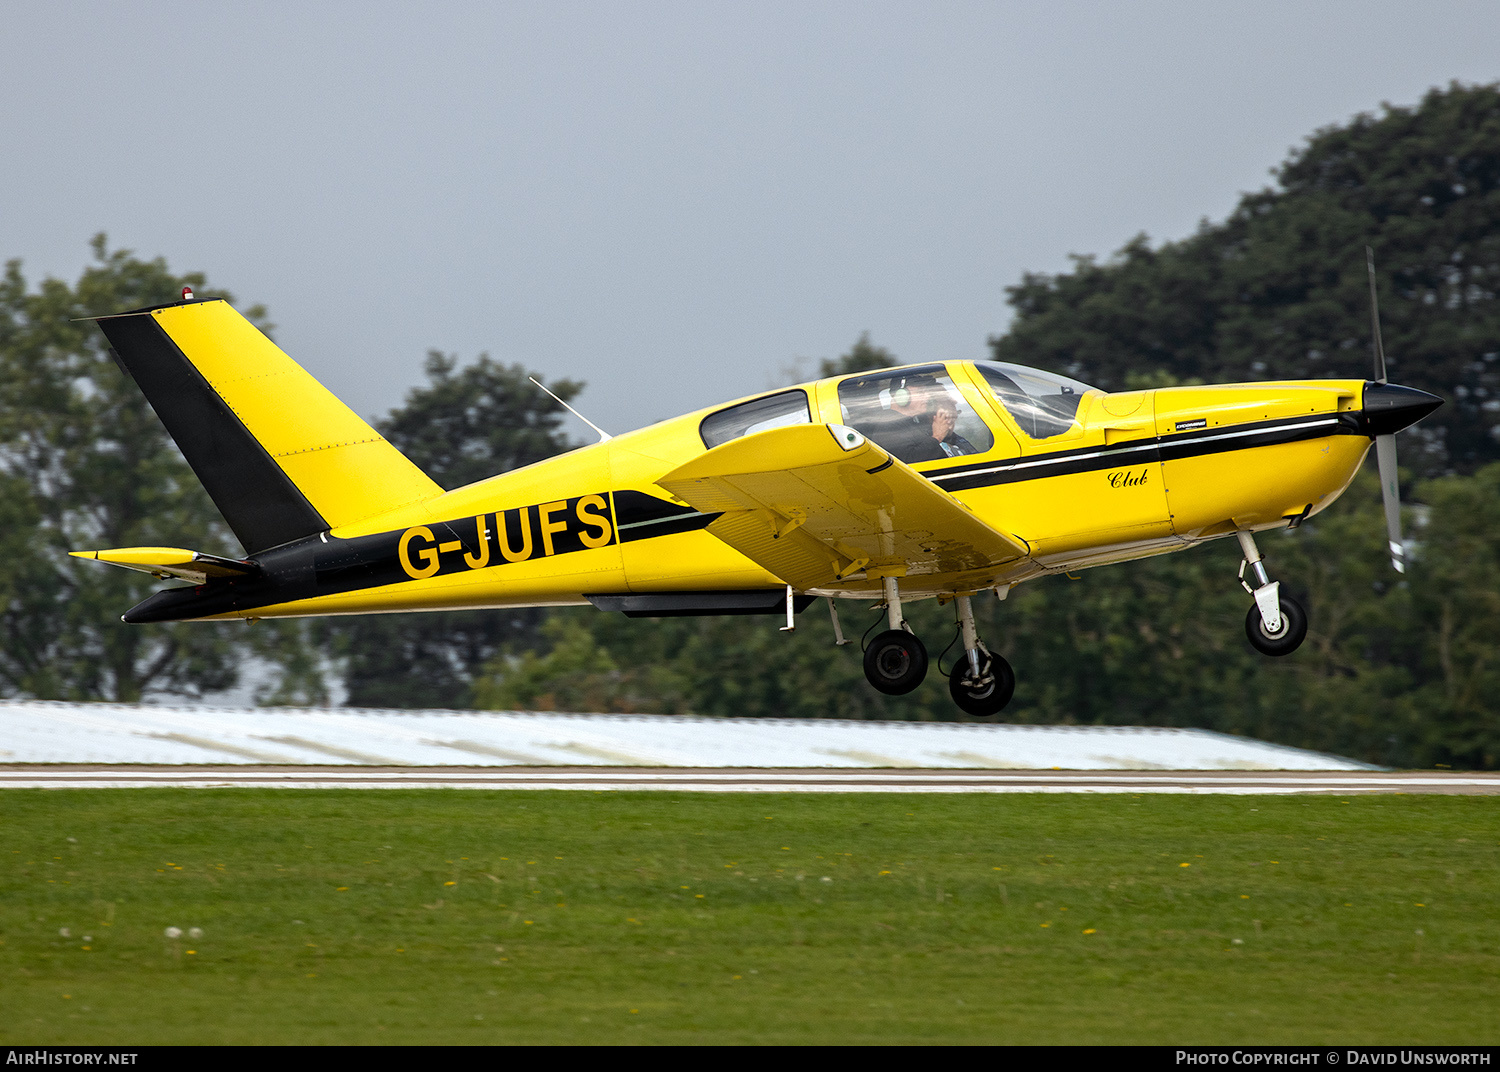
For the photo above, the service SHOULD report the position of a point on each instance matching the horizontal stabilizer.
(176, 562)
(815, 504)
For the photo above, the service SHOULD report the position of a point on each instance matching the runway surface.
(744, 780)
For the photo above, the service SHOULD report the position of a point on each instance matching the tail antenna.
(604, 437)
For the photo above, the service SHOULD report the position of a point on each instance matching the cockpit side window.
(916, 414)
(757, 415)
(1042, 403)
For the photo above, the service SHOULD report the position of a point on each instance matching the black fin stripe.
(258, 500)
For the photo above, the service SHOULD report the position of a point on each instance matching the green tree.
(84, 463)
(862, 357)
(464, 425)
(1455, 591)
(1278, 290)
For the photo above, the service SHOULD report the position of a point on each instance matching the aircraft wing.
(816, 503)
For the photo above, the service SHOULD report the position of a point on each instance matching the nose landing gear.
(1276, 624)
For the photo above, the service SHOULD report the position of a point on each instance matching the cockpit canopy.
(917, 413)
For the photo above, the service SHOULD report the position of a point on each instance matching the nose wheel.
(1287, 638)
(1276, 624)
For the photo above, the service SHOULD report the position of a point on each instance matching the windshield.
(1042, 403)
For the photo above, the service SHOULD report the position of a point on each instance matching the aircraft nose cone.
(1389, 407)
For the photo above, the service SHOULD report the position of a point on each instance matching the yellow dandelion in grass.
(1184, 865)
(340, 889)
(700, 895)
(527, 922)
(450, 884)
(1091, 930)
(1047, 924)
(1244, 897)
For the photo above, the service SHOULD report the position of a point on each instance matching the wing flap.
(815, 504)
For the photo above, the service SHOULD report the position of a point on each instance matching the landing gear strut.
(1276, 624)
(895, 661)
(981, 682)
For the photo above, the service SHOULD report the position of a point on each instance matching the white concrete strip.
(56, 732)
(740, 781)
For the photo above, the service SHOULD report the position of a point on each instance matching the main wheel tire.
(895, 662)
(1285, 640)
(993, 690)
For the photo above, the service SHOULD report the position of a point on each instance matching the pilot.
(909, 431)
(944, 418)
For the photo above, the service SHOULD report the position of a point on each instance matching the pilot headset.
(897, 396)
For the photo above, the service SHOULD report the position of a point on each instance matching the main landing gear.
(981, 682)
(895, 661)
(1276, 624)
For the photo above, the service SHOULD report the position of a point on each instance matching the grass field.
(433, 916)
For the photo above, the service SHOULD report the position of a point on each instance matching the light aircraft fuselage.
(946, 479)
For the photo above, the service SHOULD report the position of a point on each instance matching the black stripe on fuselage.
(1141, 451)
(327, 565)
(639, 516)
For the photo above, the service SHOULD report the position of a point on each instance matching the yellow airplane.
(941, 480)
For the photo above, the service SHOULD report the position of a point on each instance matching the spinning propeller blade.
(1385, 445)
(1375, 318)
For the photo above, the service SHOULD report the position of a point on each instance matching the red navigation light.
(187, 293)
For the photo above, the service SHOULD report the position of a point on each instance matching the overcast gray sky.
(671, 201)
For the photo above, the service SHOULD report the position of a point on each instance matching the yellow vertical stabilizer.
(344, 467)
